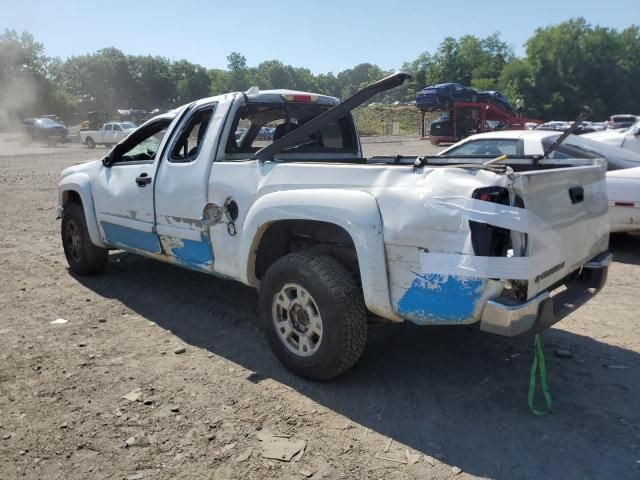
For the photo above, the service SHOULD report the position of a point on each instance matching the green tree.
(239, 73)
(191, 82)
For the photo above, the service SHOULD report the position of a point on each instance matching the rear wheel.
(314, 315)
(90, 142)
(83, 256)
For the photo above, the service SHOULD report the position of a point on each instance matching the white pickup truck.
(110, 134)
(331, 238)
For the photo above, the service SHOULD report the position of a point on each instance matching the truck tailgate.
(567, 216)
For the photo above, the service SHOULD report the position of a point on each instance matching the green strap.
(538, 363)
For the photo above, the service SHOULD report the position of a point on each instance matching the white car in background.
(628, 138)
(110, 134)
(623, 188)
(623, 177)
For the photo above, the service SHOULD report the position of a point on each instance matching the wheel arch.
(76, 188)
(354, 212)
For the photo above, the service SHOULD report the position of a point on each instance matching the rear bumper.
(505, 317)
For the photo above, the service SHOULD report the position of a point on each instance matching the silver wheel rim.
(74, 240)
(297, 320)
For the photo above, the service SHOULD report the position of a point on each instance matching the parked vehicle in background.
(623, 190)
(110, 134)
(443, 127)
(622, 179)
(133, 115)
(562, 126)
(628, 138)
(597, 126)
(265, 133)
(55, 118)
(622, 121)
(558, 126)
(45, 130)
(95, 120)
(496, 98)
(444, 95)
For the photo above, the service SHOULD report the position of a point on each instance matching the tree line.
(564, 66)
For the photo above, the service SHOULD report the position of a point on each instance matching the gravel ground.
(206, 394)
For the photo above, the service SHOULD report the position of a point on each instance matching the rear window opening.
(258, 125)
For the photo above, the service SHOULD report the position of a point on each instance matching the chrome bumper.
(504, 316)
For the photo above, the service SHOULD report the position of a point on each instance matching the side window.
(117, 128)
(560, 155)
(107, 128)
(146, 149)
(141, 145)
(486, 148)
(567, 150)
(189, 143)
(258, 125)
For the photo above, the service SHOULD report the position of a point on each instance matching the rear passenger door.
(182, 187)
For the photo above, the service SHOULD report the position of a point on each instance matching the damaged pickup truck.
(331, 238)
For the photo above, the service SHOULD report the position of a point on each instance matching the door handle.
(143, 180)
(576, 194)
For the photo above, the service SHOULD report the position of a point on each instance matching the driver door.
(123, 190)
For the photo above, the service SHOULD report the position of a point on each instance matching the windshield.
(47, 122)
(128, 125)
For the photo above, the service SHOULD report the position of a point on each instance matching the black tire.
(90, 142)
(84, 257)
(339, 302)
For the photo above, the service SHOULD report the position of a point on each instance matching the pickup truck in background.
(331, 238)
(110, 134)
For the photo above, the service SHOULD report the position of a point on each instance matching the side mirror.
(107, 161)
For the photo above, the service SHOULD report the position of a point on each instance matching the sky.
(324, 36)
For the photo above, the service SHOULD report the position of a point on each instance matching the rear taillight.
(489, 240)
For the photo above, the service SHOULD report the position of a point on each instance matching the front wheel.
(314, 315)
(83, 257)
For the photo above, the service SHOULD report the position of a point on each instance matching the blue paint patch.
(126, 237)
(194, 254)
(435, 298)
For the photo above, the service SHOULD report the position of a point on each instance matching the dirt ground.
(421, 403)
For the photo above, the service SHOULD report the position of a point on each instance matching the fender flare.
(355, 211)
(80, 184)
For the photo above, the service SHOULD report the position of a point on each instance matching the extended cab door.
(181, 189)
(123, 190)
